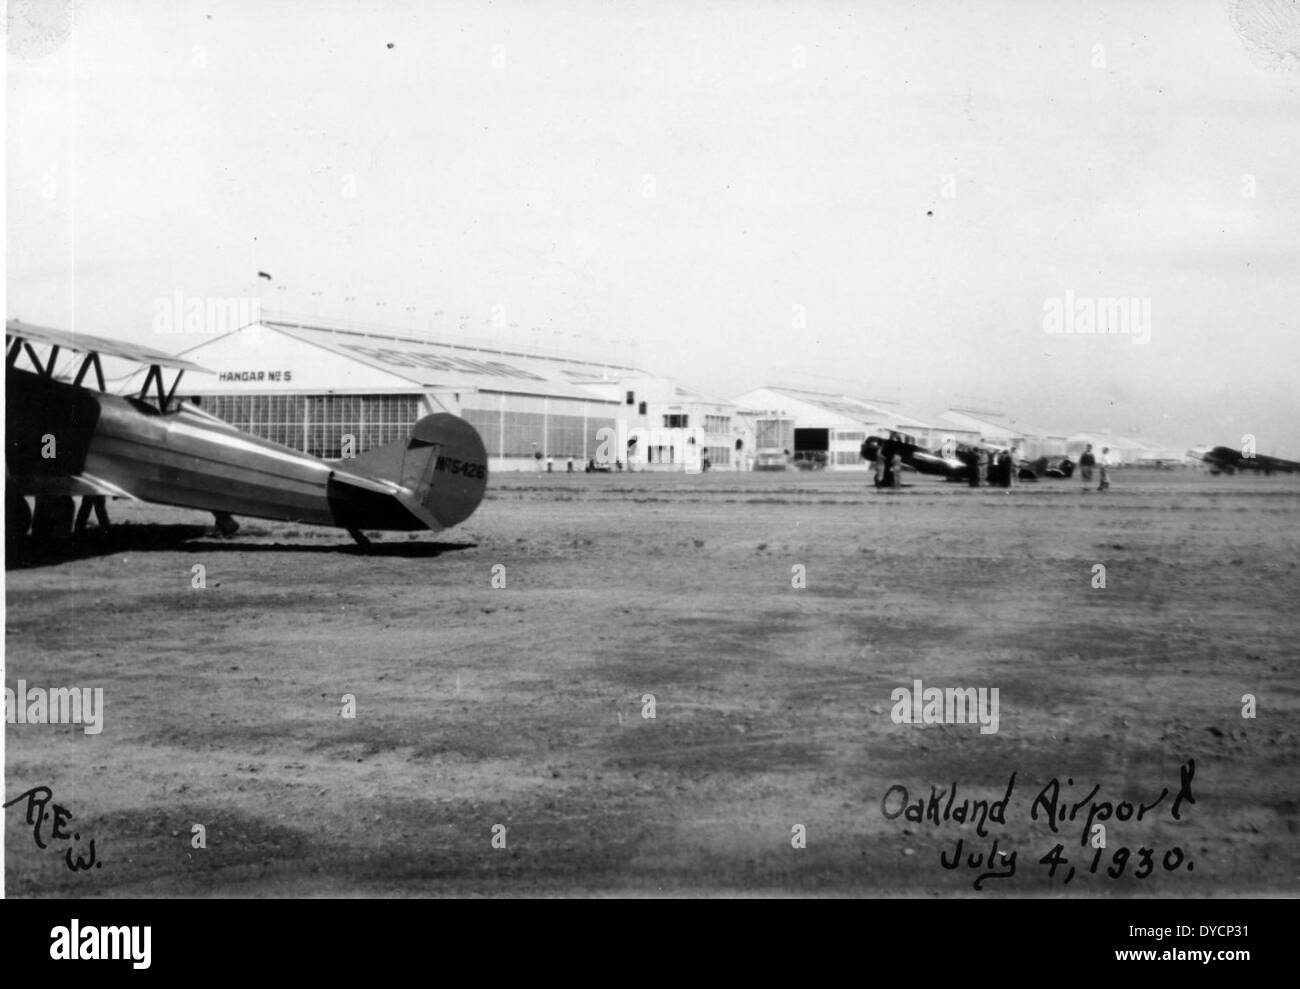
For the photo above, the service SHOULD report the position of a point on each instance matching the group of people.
(1103, 464)
(984, 467)
(996, 469)
(888, 464)
(550, 462)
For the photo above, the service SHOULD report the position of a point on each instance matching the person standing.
(1105, 463)
(1086, 462)
(896, 466)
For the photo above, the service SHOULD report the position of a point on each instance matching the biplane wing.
(86, 343)
(66, 440)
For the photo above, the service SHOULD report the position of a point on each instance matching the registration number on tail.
(465, 467)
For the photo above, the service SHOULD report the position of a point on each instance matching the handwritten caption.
(38, 799)
(1060, 813)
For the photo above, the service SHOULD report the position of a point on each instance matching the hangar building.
(1123, 451)
(834, 426)
(1002, 430)
(307, 386)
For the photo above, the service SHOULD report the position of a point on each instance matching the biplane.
(66, 439)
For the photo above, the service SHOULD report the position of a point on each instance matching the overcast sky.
(882, 197)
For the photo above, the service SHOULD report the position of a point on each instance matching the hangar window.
(641, 408)
(675, 421)
(631, 398)
(316, 424)
(511, 433)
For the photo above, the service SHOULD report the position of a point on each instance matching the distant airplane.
(64, 439)
(954, 465)
(1226, 460)
(914, 456)
(263, 274)
(938, 463)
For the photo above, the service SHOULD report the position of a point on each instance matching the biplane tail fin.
(438, 473)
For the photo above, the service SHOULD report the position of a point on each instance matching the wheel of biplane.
(52, 520)
(18, 516)
(226, 523)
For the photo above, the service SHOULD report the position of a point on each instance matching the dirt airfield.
(501, 743)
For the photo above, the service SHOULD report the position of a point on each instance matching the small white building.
(657, 418)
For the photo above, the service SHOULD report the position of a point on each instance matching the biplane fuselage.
(64, 439)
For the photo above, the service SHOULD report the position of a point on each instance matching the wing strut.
(91, 360)
(155, 378)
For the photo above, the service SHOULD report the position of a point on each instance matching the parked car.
(810, 459)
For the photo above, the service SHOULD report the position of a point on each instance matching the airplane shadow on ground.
(24, 555)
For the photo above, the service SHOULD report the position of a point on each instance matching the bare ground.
(523, 706)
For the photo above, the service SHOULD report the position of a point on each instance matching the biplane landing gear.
(359, 536)
(18, 517)
(226, 523)
(52, 520)
(100, 504)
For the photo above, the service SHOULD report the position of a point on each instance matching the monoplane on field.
(956, 462)
(1226, 460)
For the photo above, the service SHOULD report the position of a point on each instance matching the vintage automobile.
(771, 459)
(810, 459)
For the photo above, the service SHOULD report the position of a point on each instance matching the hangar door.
(812, 440)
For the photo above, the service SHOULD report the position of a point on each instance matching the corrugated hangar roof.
(854, 408)
(1000, 421)
(439, 364)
